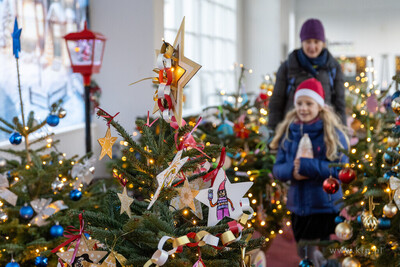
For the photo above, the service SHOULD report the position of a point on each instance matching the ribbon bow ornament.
(395, 186)
(213, 174)
(44, 209)
(83, 172)
(6, 194)
(187, 141)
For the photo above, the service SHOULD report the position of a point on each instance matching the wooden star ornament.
(183, 71)
(167, 176)
(106, 144)
(187, 195)
(126, 202)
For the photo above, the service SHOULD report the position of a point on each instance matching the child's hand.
(296, 174)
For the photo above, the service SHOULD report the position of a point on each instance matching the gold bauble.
(389, 210)
(396, 105)
(392, 141)
(344, 231)
(263, 86)
(350, 262)
(370, 222)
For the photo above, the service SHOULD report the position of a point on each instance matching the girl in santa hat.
(313, 210)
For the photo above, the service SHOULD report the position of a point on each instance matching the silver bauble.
(344, 231)
(396, 105)
(62, 113)
(392, 141)
(389, 210)
(3, 162)
(350, 262)
(3, 216)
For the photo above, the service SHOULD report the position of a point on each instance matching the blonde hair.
(332, 124)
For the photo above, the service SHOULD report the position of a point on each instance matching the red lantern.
(331, 185)
(347, 175)
(85, 50)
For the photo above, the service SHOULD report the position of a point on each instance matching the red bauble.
(331, 185)
(347, 175)
(397, 120)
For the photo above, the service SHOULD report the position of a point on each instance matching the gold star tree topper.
(106, 144)
(126, 202)
(167, 176)
(183, 71)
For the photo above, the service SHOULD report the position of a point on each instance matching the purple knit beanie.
(312, 29)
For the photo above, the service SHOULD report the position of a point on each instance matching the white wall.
(261, 46)
(372, 26)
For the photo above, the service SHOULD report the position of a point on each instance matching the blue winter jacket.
(307, 197)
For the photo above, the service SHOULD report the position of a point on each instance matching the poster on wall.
(45, 71)
(352, 67)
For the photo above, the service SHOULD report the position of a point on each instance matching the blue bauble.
(15, 138)
(12, 264)
(87, 235)
(339, 219)
(389, 174)
(384, 223)
(56, 230)
(389, 159)
(225, 130)
(359, 219)
(75, 195)
(306, 263)
(41, 261)
(53, 120)
(26, 212)
(395, 95)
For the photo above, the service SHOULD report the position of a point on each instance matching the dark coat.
(307, 197)
(280, 103)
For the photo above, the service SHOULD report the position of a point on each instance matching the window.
(211, 41)
(44, 62)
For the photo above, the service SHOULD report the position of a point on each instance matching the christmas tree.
(38, 184)
(240, 123)
(368, 225)
(157, 218)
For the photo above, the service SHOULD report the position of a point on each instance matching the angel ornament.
(222, 202)
(305, 149)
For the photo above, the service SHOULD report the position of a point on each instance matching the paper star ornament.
(126, 202)
(167, 176)
(223, 198)
(106, 144)
(197, 184)
(184, 70)
(83, 254)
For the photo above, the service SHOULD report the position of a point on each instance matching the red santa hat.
(311, 88)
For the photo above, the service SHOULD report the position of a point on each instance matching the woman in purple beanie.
(312, 60)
